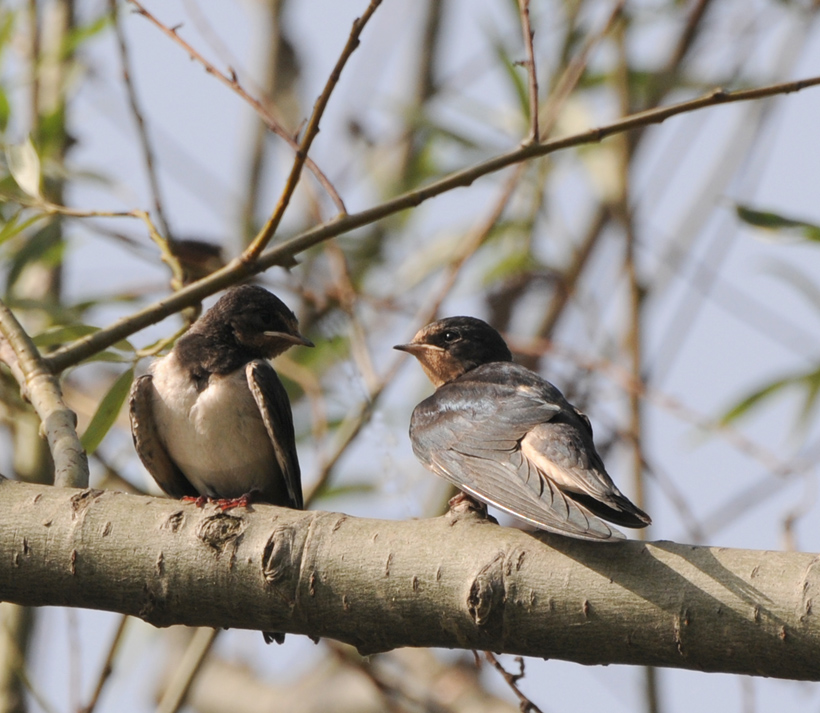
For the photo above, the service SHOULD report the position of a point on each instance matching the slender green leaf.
(808, 382)
(776, 222)
(56, 336)
(37, 248)
(812, 384)
(107, 411)
(338, 491)
(24, 166)
(798, 280)
(7, 19)
(518, 78)
(81, 34)
(754, 398)
(14, 227)
(109, 357)
(5, 109)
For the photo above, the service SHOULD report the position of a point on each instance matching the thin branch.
(142, 133)
(108, 666)
(570, 78)
(259, 243)
(283, 254)
(16, 622)
(571, 275)
(625, 379)
(167, 254)
(345, 293)
(512, 680)
(280, 72)
(233, 84)
(687, 37)
(572, 74)
(353, 423)
(524, 10)
(194, 656)
(425, 85)
(42, 388)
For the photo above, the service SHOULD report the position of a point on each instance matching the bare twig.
(526, 28)
(572, 274)
(633, 336)
(259, 243)
(166, 251)
(352, 425)
(189, 665)
(769, 460)
(347, 296)
(572, 74)
(16, 622)
(232, 83)
(108, 666)
(425, 85)
(283, 253)
(42, 388)
(142, 133)
(512, 680)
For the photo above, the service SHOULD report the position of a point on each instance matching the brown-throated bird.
(507, 437)
(211, 418)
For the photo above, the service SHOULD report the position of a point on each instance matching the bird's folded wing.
(471, 437)
(149, 445)
(274, 406)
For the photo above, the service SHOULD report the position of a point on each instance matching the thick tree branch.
(42, 389)
(446, 582)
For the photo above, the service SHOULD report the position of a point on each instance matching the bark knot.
(220, 530)
(82, 500)
(487, 591)
(174, 521)
(811, 590)
(279, 557)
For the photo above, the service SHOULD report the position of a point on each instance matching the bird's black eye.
(450, 336)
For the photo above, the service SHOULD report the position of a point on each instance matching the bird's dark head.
(451, 347)
(247, 322)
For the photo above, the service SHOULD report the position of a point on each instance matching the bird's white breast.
(216, 436)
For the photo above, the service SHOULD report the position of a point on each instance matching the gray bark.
(453, 581)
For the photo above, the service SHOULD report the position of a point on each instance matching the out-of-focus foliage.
(618, 270)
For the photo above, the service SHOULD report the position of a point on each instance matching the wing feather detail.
(274, 407)
(150, 447)
(515, 448)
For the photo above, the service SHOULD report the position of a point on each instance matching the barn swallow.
(211, 418)
(507, 437)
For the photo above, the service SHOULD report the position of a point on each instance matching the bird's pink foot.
(242, 501)
(463, 504)
(223, 504)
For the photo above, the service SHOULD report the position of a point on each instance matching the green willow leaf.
(13, 226)
(776, 222)
(107, 411)
(56, 336)
(24, 166)
(753, 399)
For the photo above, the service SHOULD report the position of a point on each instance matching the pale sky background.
(753, 326)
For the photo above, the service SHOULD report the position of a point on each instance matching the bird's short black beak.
(297, 338)
(415, 347)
